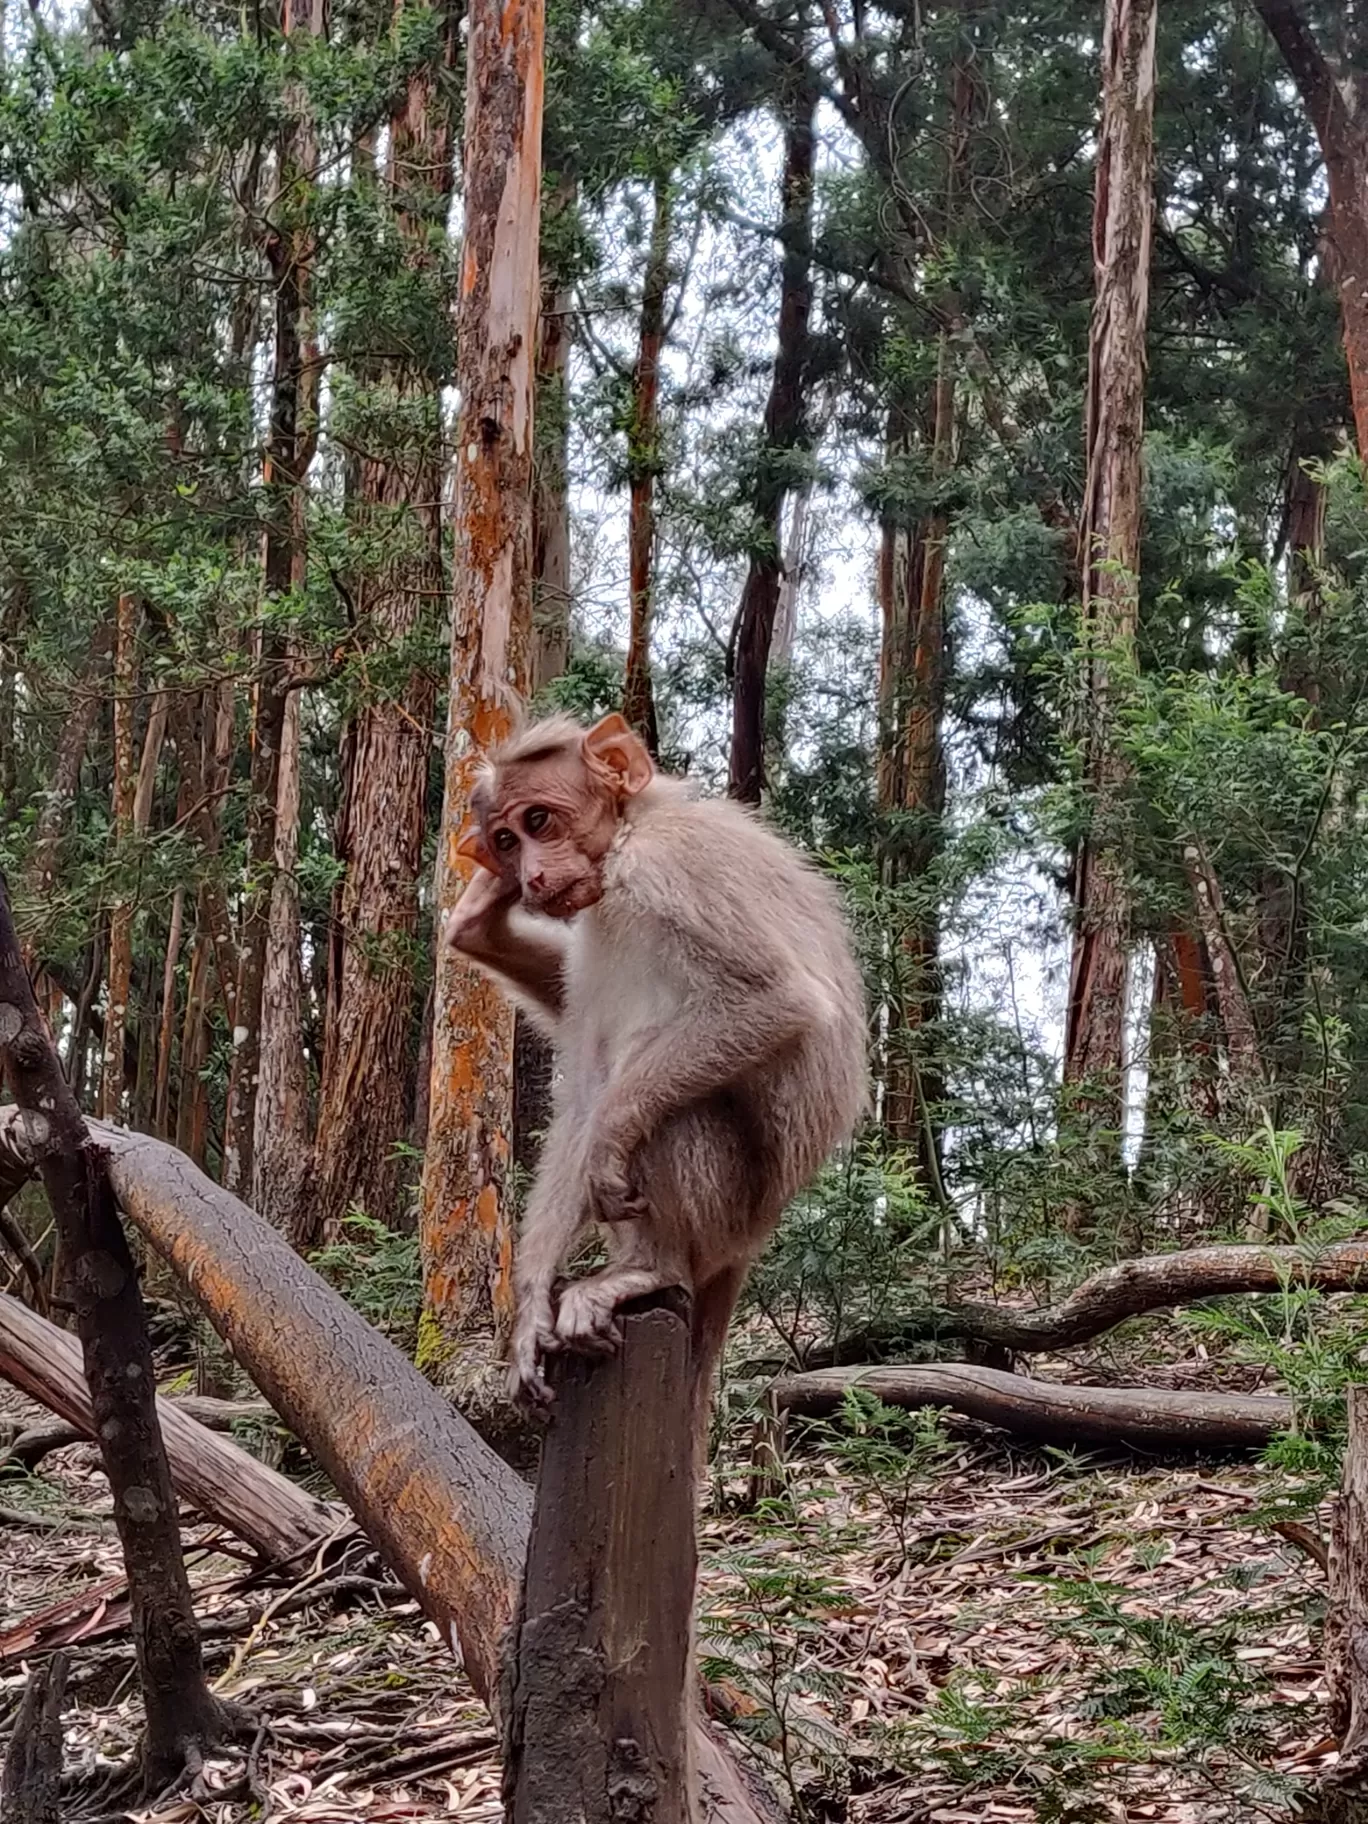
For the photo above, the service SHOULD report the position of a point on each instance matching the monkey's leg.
(554, 1217)
(713, 1305)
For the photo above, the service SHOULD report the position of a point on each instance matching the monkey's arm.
(528, 955)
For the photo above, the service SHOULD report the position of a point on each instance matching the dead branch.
(1131, 1288)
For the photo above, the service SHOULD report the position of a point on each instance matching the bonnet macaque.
(696, 977)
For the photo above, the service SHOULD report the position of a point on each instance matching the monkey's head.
(547, 807)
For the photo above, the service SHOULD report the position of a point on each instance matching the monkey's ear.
(613, 747)
(471, 847)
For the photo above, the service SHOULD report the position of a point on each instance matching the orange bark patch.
(487, 1209)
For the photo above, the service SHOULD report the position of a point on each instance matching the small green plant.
(887, 1455)
(379, 1273)
(763, 1632)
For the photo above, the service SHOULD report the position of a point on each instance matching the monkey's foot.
(586, 1319)
(533, 1340)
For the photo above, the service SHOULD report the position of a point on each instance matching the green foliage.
(379, 1273)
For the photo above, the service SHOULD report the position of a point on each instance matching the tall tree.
(643, 467)
(466, 1221)
(363, 1102)
(783, 438)
(120, 977)
(290, 246)
(1123, 219)
(1330, 68)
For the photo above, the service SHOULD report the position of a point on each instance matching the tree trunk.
(598, 1697)
(784, 437)
(184, 1719)
(533, 1058)
(1344, 1790)
(643, 465)
(1335, 95)
(364, 1101)
(290, 250)
(911, 784)
(551, 595)
(1123, 214)
(40, 873)
(120, 978)
(167, 1027)
(467, 1219)
(1131, 1288)
(282, 1153)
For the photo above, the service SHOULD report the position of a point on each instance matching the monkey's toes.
(587, 1323)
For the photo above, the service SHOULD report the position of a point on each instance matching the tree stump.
(598, 1706)
(33, 1760)
(1344, 1790)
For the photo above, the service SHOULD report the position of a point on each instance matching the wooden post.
(1344, 1791)
(598, 1703)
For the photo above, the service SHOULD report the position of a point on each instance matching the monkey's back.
(721, 918)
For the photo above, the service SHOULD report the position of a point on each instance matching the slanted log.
(275, 1516)
(32, 1781)
(1131, 1288)
(598, 1703)
(1141, 1418)
(448, 1515)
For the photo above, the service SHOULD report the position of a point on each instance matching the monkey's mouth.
(566, 901)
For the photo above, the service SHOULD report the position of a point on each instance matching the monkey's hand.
(468, 924)
(534, 1337)
(611, 1188)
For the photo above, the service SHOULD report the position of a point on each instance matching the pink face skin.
(547, 828)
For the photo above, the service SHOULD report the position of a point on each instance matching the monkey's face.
(547, 826)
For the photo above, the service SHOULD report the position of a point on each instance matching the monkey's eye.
(535, 819)
(504, 840)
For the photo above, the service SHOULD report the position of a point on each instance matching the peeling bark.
(1344, 1790)
(282, 1154)
(1334, 92)
(290, 246)
(466, 1220)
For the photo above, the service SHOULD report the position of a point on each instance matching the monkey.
(697, 979)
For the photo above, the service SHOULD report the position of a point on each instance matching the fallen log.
(1137, 1417)
(1131, 1288)
(274, 1515)
(29, 1446)
(449, 1516)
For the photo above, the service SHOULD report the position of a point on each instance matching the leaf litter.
(1021, 1635)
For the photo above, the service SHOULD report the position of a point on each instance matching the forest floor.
(929, 1628)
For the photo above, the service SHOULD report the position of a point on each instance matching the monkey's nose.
(535, 882)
